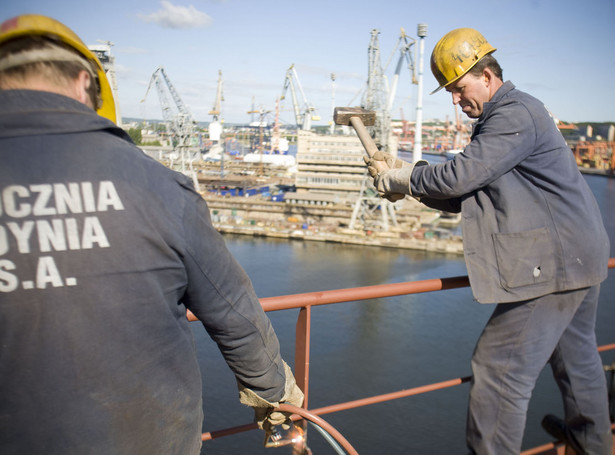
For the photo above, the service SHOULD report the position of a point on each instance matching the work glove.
(391, 175)
(264, 416)
(382, 162)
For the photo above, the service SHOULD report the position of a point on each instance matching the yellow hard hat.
(33, 24)
(456, 53)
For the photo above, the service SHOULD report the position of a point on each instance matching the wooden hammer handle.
(370, 147)
(364, 137)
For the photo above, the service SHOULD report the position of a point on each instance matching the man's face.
(470, 92)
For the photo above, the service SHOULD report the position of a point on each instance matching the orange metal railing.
(305, 302)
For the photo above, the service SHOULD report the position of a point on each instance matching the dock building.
(329, 164)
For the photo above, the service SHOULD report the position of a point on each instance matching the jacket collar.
(496, 98)
(33, 112)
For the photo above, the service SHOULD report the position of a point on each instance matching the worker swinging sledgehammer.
(535, 246)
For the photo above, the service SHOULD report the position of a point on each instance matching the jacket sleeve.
(504, 138)
(221, 296)
(452, 205)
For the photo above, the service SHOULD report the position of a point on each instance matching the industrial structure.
(305, 114)
(379, 98)
(103, 53)
(178, 119)
(329, 169)
(329, 164)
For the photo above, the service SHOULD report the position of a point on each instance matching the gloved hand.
(263, 409)
(382, 162)
(391, 175)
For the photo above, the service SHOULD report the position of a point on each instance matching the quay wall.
(262, 218)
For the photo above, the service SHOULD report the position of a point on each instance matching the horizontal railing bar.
(606, 347)
(390, 396)
(548, 448)
(286, 302)
(545, 448)
(363, 402)
(348, 405)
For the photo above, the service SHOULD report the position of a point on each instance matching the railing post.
(302, 366)
(302, 351)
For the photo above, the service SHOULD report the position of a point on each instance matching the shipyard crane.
(179, 120)
(404, 44)
(375, 97)
(216, 109)
(304, 115)
(215, 126)
(379, 98)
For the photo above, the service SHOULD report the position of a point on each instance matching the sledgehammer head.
(342, 115)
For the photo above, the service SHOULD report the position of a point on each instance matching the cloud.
(181, 17)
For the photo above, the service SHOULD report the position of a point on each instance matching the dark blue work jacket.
(531, 225)
(102, 249)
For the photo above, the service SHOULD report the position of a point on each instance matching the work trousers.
(517, 342)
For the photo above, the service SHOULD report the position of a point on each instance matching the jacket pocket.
(525, 258)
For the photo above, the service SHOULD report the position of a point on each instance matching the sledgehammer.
(359, 118)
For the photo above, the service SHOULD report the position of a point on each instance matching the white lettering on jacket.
(48, 229)
(47, 199)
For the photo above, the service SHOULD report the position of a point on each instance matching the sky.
(560, 51)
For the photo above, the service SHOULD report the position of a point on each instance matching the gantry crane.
(304, 115)
(375, 97)
(404, 44)
(216, 109)
(178, 120)
(379, 98)
(215, 126)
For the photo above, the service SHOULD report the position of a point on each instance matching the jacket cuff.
(397, 180)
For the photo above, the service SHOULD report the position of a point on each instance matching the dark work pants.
(517, 342)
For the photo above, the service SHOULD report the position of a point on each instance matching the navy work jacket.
(102, 249)
(531, 225)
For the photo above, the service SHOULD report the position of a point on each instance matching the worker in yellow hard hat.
(534, 244)
(52, 41)
(456, 54)
(102, 252)
(466, 51)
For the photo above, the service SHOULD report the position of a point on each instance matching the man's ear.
(82, 84)
(487, 77)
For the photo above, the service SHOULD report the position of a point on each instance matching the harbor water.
(365, 348)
